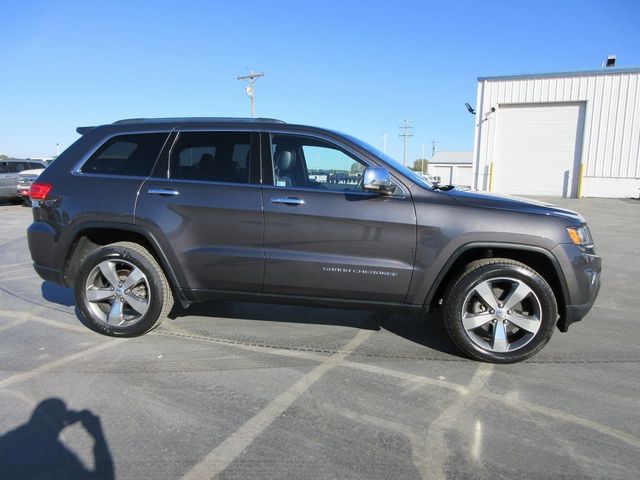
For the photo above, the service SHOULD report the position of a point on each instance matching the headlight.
(580, 235)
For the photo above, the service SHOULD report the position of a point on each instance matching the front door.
(324, 236)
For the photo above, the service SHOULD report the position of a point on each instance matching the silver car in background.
(9, 171)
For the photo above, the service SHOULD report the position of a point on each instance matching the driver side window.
(305, 162)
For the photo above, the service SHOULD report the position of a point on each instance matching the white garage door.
(442, 171)
(463, 176)
(537, 149)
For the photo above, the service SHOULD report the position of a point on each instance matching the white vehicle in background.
(429, 178)
(27, 177)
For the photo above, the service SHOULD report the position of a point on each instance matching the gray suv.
(142, 212)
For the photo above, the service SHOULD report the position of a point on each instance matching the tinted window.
(16, 167)
(35, 165)
(4, 168)
(132, 155)
(212, 156)
(306, 162)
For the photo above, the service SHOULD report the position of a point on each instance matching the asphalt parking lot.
(230, 390)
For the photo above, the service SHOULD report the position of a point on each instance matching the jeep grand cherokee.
(141, 212)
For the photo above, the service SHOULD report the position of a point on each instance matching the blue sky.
(356, 66)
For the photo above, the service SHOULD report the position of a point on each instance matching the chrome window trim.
(329, 138)
(205, 182)
(337, 192)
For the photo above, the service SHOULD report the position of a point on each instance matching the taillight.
(39, 191)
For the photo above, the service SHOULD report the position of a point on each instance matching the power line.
(404, 127)
(252, 77)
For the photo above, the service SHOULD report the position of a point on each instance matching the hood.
(514, 204)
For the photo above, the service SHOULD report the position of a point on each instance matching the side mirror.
(377, 180)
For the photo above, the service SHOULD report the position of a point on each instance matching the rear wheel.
(500, 310)
(121, 290)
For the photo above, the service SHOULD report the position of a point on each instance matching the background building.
(559, 134)
(453, 168)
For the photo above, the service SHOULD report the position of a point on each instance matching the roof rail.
(196, 119)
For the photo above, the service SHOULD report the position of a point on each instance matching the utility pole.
(384, 138)
(404, 127)
(251, 78)
(433, 147)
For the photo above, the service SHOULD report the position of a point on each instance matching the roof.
(452, 157)
(601, 71)
(183, 121)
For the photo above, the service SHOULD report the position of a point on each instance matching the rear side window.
(212, 156)
(129, 155)
(18, 166)
(13, 167)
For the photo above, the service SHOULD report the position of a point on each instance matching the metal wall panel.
(611, 135)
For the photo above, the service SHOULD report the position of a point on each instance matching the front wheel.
(499, 310)
(121, 290)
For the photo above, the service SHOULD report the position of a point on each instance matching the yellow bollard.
(491, 176)
(580, 177)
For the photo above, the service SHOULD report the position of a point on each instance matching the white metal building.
(559, 134)
(453, 168)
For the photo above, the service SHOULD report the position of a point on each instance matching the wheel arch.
(539, 259)
(89, 236)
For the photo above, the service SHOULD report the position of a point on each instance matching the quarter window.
(212, 156)
(129, 155)
(305, 162)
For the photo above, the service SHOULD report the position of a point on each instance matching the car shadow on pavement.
(35, 450)
(426, 330)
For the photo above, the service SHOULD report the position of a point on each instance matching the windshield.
(414, 176)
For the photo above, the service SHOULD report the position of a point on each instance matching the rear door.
(203, 205)
(324, 236)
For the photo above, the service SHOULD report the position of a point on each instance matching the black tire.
(462, 296)
(153, 291)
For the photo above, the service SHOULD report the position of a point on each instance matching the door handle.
(288, 200)
(163, 191)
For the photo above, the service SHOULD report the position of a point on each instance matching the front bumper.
(582, 271)
(574, 313)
